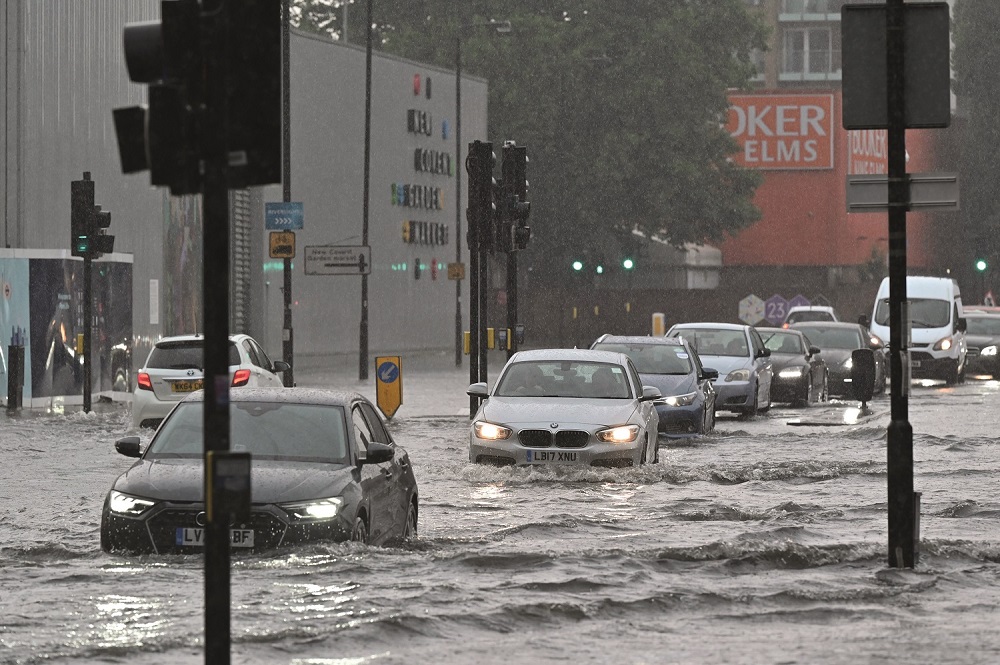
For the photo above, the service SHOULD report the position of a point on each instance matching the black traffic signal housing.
(516, 206)
(81, 211)
(100, 242)
(481, 212)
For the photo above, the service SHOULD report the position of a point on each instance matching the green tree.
(620, 102)
(976, 59)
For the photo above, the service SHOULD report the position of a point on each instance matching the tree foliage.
(620, 103)
(976, 60)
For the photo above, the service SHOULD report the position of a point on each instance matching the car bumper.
(162, 530)
(791, 389)
(148, 410)
(923, 365)
(594, 454)
(733, 395)
(977, 364)
(681, 420)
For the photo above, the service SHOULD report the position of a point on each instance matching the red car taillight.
(241, 378)
(143, 381)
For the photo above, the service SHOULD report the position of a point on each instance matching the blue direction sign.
(775, 309)
(389, 384)
(283, 216)
(799, 301)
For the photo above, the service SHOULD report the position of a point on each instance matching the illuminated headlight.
(491, 432)
(621, 434)
(849, 363)
(133, 506)
(792, 372)
(988, 351)
(680, 400)
(738, 375)
(315, 510)
(943, 344)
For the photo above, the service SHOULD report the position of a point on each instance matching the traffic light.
(577, 265)
(515, 207)
(981, 265)
(628, 263)
(100, 242)
(481, 212)
(81, 210)
(166, 137)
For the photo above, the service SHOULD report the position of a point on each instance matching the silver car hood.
(543, 411)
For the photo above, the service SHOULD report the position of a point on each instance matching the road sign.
(870, 193)
(338, 260)
(282, 245)
(926, 68)
(751, 310)
(389, 384)
(775, 309)
(283, 216)
(456, 271)
(799, 301)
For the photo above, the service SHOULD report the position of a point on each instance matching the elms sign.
(782, 131)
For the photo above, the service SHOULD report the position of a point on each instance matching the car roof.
(195, 337)
(810, 308)
(710, 325)
(824, 324)
(783, 330)
(324, 396)
(592, 355)
(640, 339)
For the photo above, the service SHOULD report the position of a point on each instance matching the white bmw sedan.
(565, 406)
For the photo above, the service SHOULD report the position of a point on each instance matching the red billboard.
(779, 131)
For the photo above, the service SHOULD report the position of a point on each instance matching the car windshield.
(184, 355)
(781, 342)
(716, 342)
(566, 378)
(267, 430)
(653, 358)
(983, 325)
(836, 338)
(811, 315)
(924, 312)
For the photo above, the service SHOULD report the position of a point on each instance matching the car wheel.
(645, 446)
(751, 411)
(410, 528)
(656, 451)
(360, 532)
(808, 398)
(825, 395)
(951, 376)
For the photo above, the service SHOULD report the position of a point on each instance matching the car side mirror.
(961, 325)
(280, 366)
(128, 446)
(649, 393)
(709, 373)
(865, 320)
(379, 453)
(813, 350)
(764, 353)
(479, 390)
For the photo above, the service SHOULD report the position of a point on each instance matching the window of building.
(807, 51)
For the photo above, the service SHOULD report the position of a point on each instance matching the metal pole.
(215, 272)
(458, 197)
(88, 314)
(484, 306)
(474, 301)
(287, 338)
(363, 342)
(511, 301)
(899, 448)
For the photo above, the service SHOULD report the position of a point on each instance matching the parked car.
(565, 407)
(323, 468)
(800, 373)
(175, 367)
(744, 364)
(672, 365)
(982, 337)
(837, 341)
(801, 313)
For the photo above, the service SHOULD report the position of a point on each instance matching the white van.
(937, 326)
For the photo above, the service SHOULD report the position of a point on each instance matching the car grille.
(572, 439)
(535, 438)
(620, 463)
(920, 355)
(268, 530)
(973, 351)
(683, 426)
(495, 460)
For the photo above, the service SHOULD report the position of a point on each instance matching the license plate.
(192, 537)
(546, 456)
(914, 363)
(185, 386)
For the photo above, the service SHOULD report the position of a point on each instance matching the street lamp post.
(501, 27)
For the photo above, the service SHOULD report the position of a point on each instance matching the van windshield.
(924, 313)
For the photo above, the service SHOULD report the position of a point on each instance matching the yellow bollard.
(467, 342)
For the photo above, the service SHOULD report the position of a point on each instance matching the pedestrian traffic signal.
(981, 265)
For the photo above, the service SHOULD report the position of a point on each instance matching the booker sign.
(782, 131)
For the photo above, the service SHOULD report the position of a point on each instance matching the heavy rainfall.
(417, 193)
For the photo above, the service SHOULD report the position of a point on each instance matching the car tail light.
(143, 382)
(241, 378)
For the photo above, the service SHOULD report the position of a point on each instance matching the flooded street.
(762, 543)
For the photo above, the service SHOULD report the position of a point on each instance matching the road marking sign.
(282, 245)
(389, 383)
(283, 216)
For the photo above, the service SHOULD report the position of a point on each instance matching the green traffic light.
(577, 265)
(600, 270)
(628, 264)
(981, 265)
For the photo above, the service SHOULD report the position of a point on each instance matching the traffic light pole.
(511, 302)
(215, 275)
(902, 501)
(88, 314)
(287, 341)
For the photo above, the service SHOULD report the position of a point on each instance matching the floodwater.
(762, 543)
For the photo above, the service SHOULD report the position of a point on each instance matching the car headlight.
(738, 375)
(988, 351)
(491, 432)
(849, 363)
(315, 510)
(943, 344)
(792, 372)
(620, 434)
(680, 400)
(133, 506)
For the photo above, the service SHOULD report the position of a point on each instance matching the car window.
(267, 430)
(184, 355)
(378, 431)
(981, 325)
(756, 342)
(262, 356)
(635, 377)
(362, 432)
(837, 338)
(567, 378)
(796, 317)
(924, 312)
(248, 347)
(783, 342)
(716, 342)
(652, 358)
